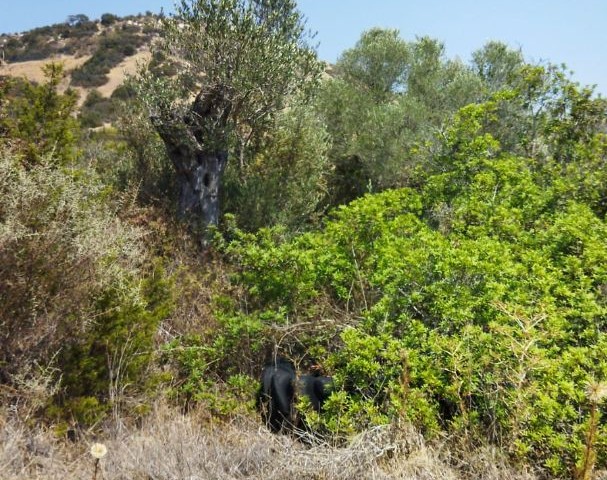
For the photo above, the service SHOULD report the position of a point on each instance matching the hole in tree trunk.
(206, 180)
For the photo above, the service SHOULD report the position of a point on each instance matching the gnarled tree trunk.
(199, 171)
(199, 185)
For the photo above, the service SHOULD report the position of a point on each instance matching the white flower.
(98, 450)
(596, 391)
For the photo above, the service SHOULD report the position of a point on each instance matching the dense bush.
(97, 110)
(39, 121)
(144, 162)
(81, 301)
(286, 182)
(112, 359)
(75, 294)
(476, 305)
(57, 238)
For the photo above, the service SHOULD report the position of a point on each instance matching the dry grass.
(118, 74)
(32, 70)
(173, 446)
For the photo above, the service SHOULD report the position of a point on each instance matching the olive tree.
(228, 66)
(498, 66)
(378, 63)
(388, 100)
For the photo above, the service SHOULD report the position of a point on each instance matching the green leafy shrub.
(97, 110)
(39, 120)
(476, 305)
(203, 367)
(286, 182)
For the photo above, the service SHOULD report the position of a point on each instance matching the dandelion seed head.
(98, 450)
(596, 391)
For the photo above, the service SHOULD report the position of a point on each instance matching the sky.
(573, 32)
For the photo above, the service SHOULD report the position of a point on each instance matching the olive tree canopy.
(221, 71)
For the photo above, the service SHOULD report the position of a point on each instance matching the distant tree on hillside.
(78, 19)
(108, 19)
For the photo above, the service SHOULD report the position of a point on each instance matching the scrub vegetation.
(429, 233)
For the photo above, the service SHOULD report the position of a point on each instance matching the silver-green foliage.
(389, 96)
(77, 301)
(253, 53)
(286, 181)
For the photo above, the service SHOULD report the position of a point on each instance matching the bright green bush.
(204, 367)
(477, 305)
(39, 121)
(115, 352)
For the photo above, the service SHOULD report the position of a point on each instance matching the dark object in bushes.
(316, 388)
(277, 394)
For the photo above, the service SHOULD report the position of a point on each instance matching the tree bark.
(199, 187)
(199, 171)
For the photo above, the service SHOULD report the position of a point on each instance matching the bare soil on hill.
(32, 70)
(127, 67)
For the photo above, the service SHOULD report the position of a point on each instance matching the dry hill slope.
(106, 52)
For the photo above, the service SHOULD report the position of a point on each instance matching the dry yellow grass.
(32, 70)
(173, 446)
(127, 67)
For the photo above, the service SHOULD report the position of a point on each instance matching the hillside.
(96, 55)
